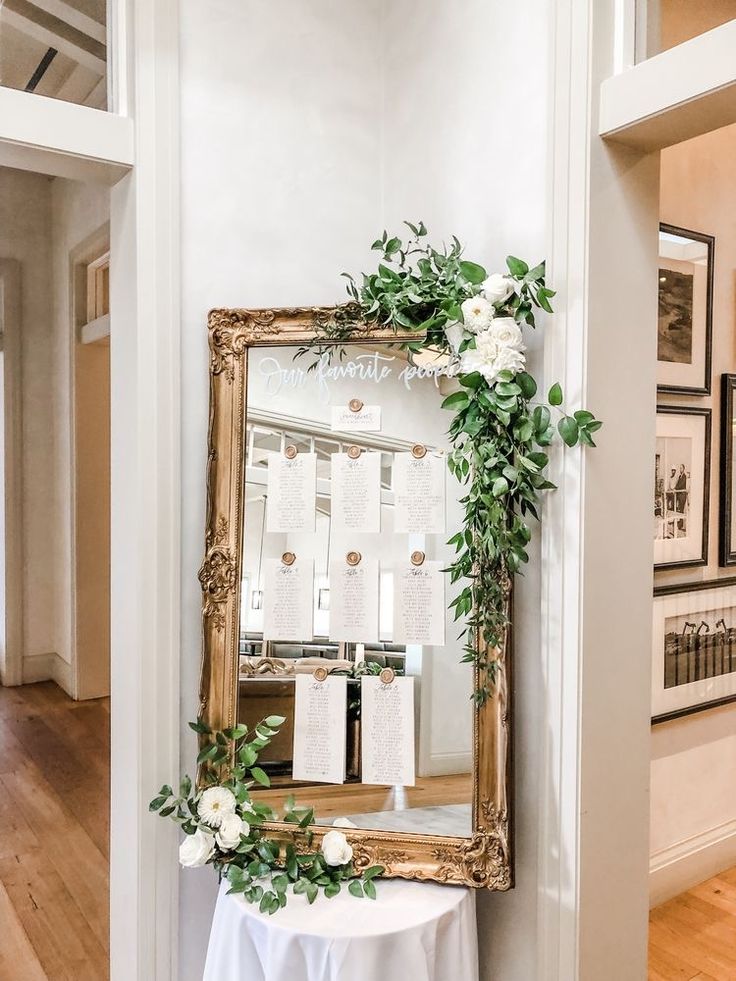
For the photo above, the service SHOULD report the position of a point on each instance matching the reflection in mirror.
(328, 546)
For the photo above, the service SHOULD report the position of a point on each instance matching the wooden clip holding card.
(320, 674)
(418, 451)
(418, 557)
(353, 558)
(355, 405)
(290, 451)
(354, 452)
(288, 558)
(387, 675)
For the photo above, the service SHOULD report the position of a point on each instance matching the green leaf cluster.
(261, 868)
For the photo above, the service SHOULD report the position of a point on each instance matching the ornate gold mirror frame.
(482, 860)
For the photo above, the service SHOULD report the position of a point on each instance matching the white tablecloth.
(413, 932)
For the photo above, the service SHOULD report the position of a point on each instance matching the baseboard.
(48, 667)
(442, 764)
(685, 864)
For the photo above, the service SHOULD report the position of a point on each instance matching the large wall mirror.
(363, 426)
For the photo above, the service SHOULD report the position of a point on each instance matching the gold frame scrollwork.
(483, 860)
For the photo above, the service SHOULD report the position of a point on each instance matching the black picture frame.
(709, 242)
(692, 410)
(693, 587)
(726, 551)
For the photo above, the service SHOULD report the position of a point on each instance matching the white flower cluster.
(498, 340)
(221, 826)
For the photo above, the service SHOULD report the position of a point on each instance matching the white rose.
(509, 359)
(214, 804)
(482, 356)
(343, 823)
(196, 850)
(497, 288)
(231, 828)
(336, 849)
(507, 333)
(455, 334)
(477, 313)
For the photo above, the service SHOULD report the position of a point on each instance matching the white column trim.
(694, 82)
(146, 489)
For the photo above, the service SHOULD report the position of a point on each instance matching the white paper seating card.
(419, 603)
(292, 489)
(419, 493)
(355, 418)
(288, 599)
(320, 714)
(356, 491)
(354, 600)
(387, 719)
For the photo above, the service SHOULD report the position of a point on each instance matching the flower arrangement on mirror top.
(223, 827)
(472, 323)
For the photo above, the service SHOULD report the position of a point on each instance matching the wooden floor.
(54, 831)
(693, 937)
(331, 801)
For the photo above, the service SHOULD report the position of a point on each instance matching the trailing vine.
(499, 431)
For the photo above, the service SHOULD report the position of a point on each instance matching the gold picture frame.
(482, 860)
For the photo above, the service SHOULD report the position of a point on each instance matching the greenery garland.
(472, 323)
(222, 824)
(499, 432)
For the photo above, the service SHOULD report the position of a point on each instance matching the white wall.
(280, 193)
(284, 117)
(457, 86)
(693, 816)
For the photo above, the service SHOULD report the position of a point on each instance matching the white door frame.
(139, 155)
(11, 664)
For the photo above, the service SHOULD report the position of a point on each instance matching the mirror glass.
(296, 403)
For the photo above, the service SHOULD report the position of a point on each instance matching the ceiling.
(56, 48)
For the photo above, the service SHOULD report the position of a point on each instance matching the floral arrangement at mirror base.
(221, 823)
(472, 323)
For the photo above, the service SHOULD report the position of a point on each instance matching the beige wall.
(25, 219)
(41, 221)
(80, 213)
(693, 823)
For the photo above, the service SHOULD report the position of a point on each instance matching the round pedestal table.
(413, 931)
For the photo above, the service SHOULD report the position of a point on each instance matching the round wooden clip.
(290, 451)
(353, 558)
(288, 558)
(320, 674)
(354, 452)
(417, 558)
(418, 450)
(355, 405)
(387, 675)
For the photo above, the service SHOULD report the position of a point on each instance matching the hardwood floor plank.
(54, 815)
(18, 961)
(61, 938)
(664, 965)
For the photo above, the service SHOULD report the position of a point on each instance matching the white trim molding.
(61, 139)
(48, 667)
(683, 865)
(145, 504)
(594, 826)
(683, 92)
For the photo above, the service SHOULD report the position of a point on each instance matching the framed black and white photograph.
(727, 533)
(685, 320)
(681, 486)
(693, 648)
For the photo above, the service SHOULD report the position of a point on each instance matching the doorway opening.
(55, 522)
